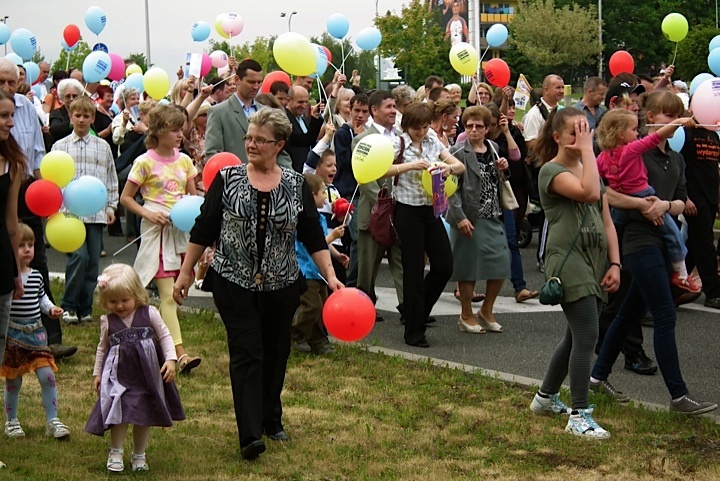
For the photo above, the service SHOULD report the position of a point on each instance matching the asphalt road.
(531, 332)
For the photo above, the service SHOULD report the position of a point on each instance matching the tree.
(73, 59)
(259, 50)
(693, 51)
(140, 59)
(38, 57)
(555, 37)
(417, 42)
(363, 61)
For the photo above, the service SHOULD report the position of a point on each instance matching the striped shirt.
(93, 157)
(35, 300)
(409, 190)
(27, 133)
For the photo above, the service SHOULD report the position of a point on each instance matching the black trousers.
(701, 250)
(39, 262)
(421, 233)
(258, 328)
(634, 342)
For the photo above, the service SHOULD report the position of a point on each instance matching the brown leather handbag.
(382, 215)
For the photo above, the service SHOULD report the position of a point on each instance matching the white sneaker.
(581, 423)
(13, 429)
(88, 318)
(70, 317)
(550, 405)
(56, 429)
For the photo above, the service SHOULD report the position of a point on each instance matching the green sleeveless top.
(587, 263)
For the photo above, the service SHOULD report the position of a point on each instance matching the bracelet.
(669, 206)
(619, 266)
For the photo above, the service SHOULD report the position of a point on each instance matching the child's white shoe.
(13, 429)
(56, 429)
(115, 460)
(139, 463)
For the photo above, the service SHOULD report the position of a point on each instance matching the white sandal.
(115, 460)
(139, 463)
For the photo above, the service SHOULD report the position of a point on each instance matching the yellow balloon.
(65, 234)
(371, 158)
(675, 27)
(57, 167)
(295, 54)
(218, 25)
(132, 68)
(451, 182)
(464, 58)
(156, 83)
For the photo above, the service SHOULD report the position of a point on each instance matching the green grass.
(357, 415)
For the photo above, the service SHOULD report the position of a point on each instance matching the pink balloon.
(232, 24)
(705, 103)
(206, 65)
(223, 70)
(117, 69)
(219, 59)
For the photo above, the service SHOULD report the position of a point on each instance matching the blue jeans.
(517, 276)
(81, 272)
(649, 287)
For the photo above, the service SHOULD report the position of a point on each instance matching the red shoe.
(686, 284)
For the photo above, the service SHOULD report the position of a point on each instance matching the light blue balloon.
(68, 48)
(714, 61)
(23, 43)
(338, 25)
(185, 211)
(677, 140)
(200, 31)
(4, 33)
(135, 81)
(369, 38)
(699, 78)
(14, 58)
(321, 60)
(163, 102)
(85, 196)
(32, 72)
(715, 42)
(95, 19)
(496, 35)
(96, 66)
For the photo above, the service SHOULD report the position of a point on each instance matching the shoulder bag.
(382, 215)
(507, 196)
(551, 292)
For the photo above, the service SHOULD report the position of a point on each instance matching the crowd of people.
(290, 224)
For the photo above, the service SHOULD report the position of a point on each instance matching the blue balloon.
(496, 35)
(714, 43)
(677, 140)
(100, 47)
(32, 72)
(68, 48)
(14, 58)
(23, 43)
(200, 31)
(4, 33)
(163, 102)
(714, 61)
(338, 25)
(135, 81)
(369, 38)
(85, 196)
(95, 20)
(185, 211)
(321, 60)
(699, 78)
(96, 66)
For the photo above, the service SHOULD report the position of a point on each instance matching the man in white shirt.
(553, 93)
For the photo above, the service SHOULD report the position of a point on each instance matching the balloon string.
(333, 66)
(321, 89)
(134, 240)
(342, 52)
(345, 221)
(697, 125)
(483, 56)
(674, 56)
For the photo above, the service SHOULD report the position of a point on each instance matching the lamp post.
(4, 20)
(147, 34)
(600, 57)
(379, 67)
(283, 14)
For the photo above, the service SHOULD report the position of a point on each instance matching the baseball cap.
(681, 85)
(621, 89)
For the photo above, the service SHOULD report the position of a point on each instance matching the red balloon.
(621, 62)
(327, 53)
(213, 166)
(497, 72)
(43, 198)
(206, 65)
(273, 77)
(71, 35)
(349, 314)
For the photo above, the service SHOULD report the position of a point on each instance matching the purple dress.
(131, 389)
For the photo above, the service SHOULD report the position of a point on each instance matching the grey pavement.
(531, 332)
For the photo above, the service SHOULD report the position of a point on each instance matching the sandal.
(139, 462)
(186, 364)
(475, 298)
(115, 460)
(525, 294)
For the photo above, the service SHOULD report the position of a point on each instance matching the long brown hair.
(10, 150)
(545, 147)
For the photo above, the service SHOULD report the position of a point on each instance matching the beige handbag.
(507, 196)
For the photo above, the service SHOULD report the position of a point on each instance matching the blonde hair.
(613, 124)
(162, 119)
(120, 280)
(26, 233)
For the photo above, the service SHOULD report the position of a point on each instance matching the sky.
(171, 22)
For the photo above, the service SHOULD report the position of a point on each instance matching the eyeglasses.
(475, 126)
(259, 142)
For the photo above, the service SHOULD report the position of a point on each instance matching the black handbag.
(552, 292)
(382, 215)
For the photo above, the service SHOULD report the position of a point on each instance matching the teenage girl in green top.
(571, 195)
